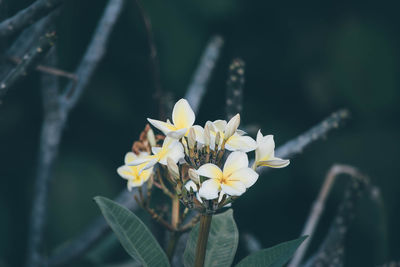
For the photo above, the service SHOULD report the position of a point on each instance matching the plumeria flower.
(265, 154)
(233, 180)
(171, 148)
(182, 119)
(133, 174)
(235, 139)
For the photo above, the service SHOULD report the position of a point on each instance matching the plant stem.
(175, 212)
(204, 230)
(173, 240)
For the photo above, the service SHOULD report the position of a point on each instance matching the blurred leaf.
(133, 234)
(276, 256)
(221, 245)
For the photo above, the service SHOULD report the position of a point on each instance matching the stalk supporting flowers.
(204, 231)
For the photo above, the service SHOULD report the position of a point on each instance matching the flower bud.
(207, 136)
(194, 176)
(232, 126)
(151, 138)
(191, 138)
(217, 140)
(173, 169)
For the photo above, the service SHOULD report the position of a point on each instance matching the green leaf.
(221, 245)
(133, 234)
(276, 256)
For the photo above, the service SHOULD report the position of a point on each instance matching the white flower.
(182, 117)
(233, 180)
(235, 140)
(265, 154)
(133, 174)
(171, 148)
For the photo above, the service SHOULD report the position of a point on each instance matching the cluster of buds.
(207, 167)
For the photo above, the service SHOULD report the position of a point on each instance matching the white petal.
(246, 175)
(148, 165)
(130, 156)
(155, 150)
(145, 174)
(274, 163)
(126, 172)
(234, 188)
(219, 125)
(178, 134)
(236, 160)
(265, 148)
(199, 132)
(192, 185)
(134, 183)
(209, 189)
(174, 151)
(259, 136)
(210, 170)
(232, 126)
(241, 143)
(162, 126)
(183, 115)
(139, 161)
(240, 132)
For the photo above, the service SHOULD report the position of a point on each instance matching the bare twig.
(49, 70)
(319, 204)
(27, 16)
(49, 139)
(54, 125)
(94, 53)
(234, 92)
(319, 131)
(154, 61)
(28, 62)
(201, 77)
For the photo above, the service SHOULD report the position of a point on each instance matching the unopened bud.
(151, 138)
(173, 169)
(207, 136)
(217, 139)
(191, 138)
(232, 126)
(194, 176)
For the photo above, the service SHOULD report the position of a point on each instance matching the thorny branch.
(27, 16)
(53, 125)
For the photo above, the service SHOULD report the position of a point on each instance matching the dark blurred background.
(303, 61)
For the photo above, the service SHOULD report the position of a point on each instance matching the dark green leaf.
(221, 245)
(276, 256)
(133, 234)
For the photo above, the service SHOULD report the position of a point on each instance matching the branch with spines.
(28, 16)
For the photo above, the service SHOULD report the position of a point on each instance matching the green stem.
(204, 230)
(173, 240)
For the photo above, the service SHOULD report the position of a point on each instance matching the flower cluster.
(207, 166)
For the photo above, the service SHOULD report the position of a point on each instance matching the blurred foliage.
(304, 60)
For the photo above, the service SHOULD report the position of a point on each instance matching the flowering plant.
(202, 170)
